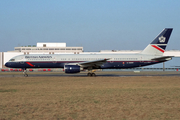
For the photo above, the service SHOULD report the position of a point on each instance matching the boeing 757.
(74, 63)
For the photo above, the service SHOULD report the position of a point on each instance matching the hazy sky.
(94, 24)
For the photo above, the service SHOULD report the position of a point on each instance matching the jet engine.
(72, 69)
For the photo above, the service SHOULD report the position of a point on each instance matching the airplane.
(75, 63)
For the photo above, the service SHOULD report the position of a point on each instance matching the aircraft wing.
(94, 63)
(164, 58)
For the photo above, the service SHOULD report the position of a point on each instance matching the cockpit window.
(12, 60)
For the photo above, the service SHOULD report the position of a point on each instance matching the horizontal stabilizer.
(164, 58)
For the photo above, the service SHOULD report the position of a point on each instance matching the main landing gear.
(91, 73)
(25, 72)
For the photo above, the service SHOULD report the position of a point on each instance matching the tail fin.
(158, 45)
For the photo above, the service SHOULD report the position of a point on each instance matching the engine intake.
(72, 69)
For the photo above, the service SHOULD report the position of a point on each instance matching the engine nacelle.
(72, 69)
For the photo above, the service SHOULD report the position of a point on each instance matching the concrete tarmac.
(98, 74)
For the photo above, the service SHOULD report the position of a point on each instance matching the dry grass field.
(90, 98)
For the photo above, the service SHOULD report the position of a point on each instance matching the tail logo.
(162, 39)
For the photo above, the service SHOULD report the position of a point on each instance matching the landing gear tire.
(91, 75)
(25, 75)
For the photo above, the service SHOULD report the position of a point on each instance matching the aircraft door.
(142, 61)
(54, 60)
(112, 60)
(22, 62)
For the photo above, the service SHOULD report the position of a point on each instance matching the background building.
(40, 48)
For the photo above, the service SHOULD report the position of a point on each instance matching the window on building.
(28, 48)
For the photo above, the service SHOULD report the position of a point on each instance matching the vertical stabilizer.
(158, 45)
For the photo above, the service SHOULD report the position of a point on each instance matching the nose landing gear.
(25, 72)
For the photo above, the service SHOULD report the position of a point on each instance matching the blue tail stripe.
(163, 47)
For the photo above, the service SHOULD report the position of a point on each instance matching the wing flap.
(93, 63)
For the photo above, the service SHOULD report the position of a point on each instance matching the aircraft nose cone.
(7, 64)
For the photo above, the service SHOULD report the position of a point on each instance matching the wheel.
(93, 74)
(89, 74)
(25, 75)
